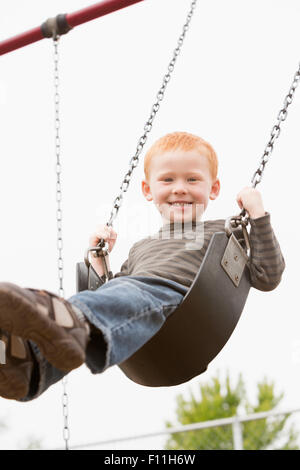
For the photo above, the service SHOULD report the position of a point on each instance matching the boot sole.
(14, 382)
(19, 317)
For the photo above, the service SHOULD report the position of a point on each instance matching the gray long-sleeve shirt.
(176, 253)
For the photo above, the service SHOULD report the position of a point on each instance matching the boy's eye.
(166, 179)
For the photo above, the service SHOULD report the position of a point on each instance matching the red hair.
(182, 141)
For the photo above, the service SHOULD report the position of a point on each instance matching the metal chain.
(148, 126)
(242, 218)
(276, 130)
(65, 402)
(58, 167)
(66, 431)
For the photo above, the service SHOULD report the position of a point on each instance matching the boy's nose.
(180, 189)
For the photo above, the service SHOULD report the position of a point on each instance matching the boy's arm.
(266, 262)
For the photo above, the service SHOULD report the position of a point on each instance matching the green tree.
(219, 400)
(31, 442)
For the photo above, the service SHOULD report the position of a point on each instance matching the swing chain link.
(58, 166)
(65, 402)
(282, 115)
(134, 161)
(241, 219)
(66, 430)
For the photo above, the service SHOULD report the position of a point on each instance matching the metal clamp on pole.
(56, 26)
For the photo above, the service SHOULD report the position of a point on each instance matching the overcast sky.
(229, 83)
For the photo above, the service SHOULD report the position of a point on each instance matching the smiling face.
(180, 185)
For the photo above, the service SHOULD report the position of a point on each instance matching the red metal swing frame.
(72, 19)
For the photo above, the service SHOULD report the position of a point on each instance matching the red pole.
(72, 19)
(21, 40)
(97, 10)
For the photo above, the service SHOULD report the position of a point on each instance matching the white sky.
(236, 67)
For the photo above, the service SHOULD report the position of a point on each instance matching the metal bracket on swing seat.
(235, 258)
(86, 276)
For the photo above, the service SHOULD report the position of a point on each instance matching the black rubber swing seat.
(199, 328)
(197, 331)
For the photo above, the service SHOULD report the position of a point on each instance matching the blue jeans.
(124, 314)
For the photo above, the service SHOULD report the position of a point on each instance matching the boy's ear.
(215, 189)
(146, 191)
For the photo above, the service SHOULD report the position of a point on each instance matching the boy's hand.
(250, 199)
(105, 232)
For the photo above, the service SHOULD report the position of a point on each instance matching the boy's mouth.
(180, 204)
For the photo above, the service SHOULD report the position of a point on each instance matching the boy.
(47, 336)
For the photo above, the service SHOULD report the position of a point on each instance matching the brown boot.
(57, 327)
(16, 366)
